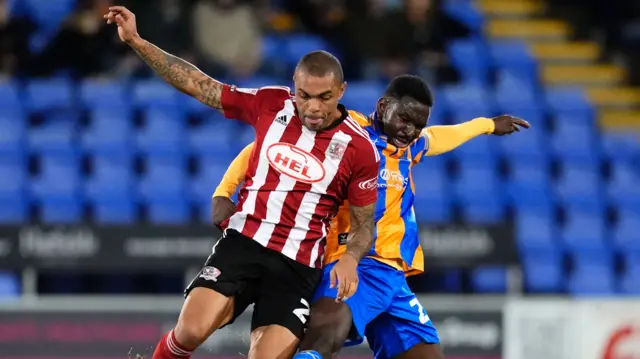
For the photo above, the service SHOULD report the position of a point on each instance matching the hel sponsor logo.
(369, 184)
(295, 163)
(210, 273)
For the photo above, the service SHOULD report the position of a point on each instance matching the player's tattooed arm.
(180, 73)
(361, 232)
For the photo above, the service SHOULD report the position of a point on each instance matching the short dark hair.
(320, 63)
(410, 86)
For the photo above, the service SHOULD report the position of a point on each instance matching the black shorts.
(280, 287)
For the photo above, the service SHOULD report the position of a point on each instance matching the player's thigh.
(377, 283)
(220, 291)
(273, 342)
(286, 292)
(404, 326)
(422, 351)
(330, 324)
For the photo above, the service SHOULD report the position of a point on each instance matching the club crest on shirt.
(210, 273)
(336, 150)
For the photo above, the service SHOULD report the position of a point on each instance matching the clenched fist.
(125, 20)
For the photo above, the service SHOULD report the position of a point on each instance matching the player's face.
(403, 120)
(317, 99)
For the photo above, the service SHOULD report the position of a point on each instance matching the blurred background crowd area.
(88, 134)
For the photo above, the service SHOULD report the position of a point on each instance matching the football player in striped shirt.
(384, 309)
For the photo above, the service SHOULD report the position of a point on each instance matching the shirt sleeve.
(441, 139)
(235, 174)
(363, 188)
(240, 104)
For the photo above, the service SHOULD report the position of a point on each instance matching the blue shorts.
(384, 310)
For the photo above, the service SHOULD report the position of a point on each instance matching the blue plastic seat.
(489, 279)
(104, 94)
(469, 57)
(110, 131)
(59, 178)
(623, 188)
(475, 181)
(155, 93)
(467, 13)
(515, 92)
(9, 285)
(585, 231)
(205, 182)
(13, 132)
(165, 178)
(54, 136)
(593, 274)
(626, 234)
(515, 57)
(568, 100)
(215, 138)
(530, 146)
(165, 132)
(477, 100)
(620, 146)
(481, 149)
(55, 94)
(168, 211)
(432, 193)
(13, 194)
(296, 46)
(629, 282)
(10, 97)
(580, 186)
(536, 230)
(112, 180)
(529, 184)
(543, 271)
(363, 96)
(484, 210)
(575, 142)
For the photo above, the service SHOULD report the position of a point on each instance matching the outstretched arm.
(443, 139)
(174, 70)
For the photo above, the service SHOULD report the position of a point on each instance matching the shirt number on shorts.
(302, 313)
(424, 318)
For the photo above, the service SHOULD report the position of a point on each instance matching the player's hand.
(506, 125)
(223, 208)
(125, 20)
(345, 275)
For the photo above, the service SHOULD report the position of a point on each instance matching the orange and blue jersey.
(396, 240)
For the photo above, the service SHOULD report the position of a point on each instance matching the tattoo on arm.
(181, 74)
(361, 232)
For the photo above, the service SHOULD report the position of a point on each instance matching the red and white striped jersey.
(297, 178)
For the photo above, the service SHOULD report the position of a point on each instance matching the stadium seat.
(9, 285)
(515, 92)
(536, 230)
(468, 57)
(363, 96)
(45, 95)
(584, 231)
(168, 211)
(530, 146)
(626, 233)
(104, 94)
(623, 187)
(115, 211)
(112, 180)
(59, 178)
(13, 132)
(543, 271)
(580, 186)
(620, 146)
(568, 100)
(298, 45)
(54, 136)
(205, 182)
(10, 96)
(13, 196)
(483, 211)
(110, 131)
(164, 132)
(593, 274)
(515, 57)
(155, 93)
(477, 99)
(467, 13)
(475, 182)
(165, 177)
(575, 142)
(482, 149)
(215, 138)
(433, 195)
(489, 279)
(629, 282)
(529, 184)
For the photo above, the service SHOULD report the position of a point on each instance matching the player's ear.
(381, 106)
(343, 87)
